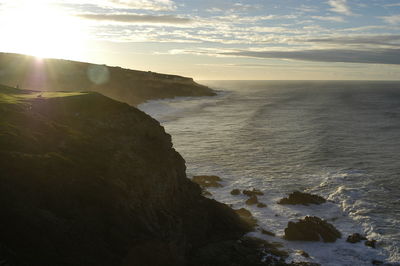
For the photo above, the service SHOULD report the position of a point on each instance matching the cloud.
(307, 9)
(367, 28)
(394, 19)
(376, 56)
(214, 10)
(368, 40)
(392, 5)
(146, 4)
(340, 6)
(133, 18)
(329, 18)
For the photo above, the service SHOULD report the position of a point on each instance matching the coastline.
(102, 185)
(347, 226)
(112, 118)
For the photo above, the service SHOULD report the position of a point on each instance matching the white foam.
(275, 217)
(169, 109)
(214, 142)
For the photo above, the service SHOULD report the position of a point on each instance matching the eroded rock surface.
(311, 228)
(298, 197)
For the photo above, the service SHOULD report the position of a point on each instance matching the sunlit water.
(340, 140)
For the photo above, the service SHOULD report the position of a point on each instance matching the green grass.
(13, 95)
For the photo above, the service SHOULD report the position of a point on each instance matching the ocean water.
(340, 140)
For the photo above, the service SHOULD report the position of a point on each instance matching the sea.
(336, 139)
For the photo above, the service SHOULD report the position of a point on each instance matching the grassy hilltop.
(125, 85)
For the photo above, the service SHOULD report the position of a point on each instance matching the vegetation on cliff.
(86, 180)
(125, 85)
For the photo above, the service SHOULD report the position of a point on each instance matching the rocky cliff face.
(86, 180)
(124, 85)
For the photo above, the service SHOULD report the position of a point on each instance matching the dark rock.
(254, 192)
(206, 193)
(371, 243)
(249, 251)
(268, 247)
(243, 212)
(266, 232)
(247, 217)
(161, 254)
(235, 192)
(355, 238)
(302, 198)
(261, 205)
(311, 229)
(252, 200)
(377, 262)
(206, 181)
(304, 254)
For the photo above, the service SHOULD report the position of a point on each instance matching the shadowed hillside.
(86, 180)
(124, 85)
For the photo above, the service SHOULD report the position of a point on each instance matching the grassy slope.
(130, 86)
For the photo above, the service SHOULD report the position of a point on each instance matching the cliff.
(129, 86)
(86, 180)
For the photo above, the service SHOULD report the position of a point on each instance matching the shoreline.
(223, 194)
(100, 184)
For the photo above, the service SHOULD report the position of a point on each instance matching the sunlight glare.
(41, 29)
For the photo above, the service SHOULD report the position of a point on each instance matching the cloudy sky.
(214, 39)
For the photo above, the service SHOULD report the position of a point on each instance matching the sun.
(40, 28)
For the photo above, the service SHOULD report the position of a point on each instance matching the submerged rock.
(206, 181)
(235, 192)
(298, 197)
(371, 243)
(355, 238)
(304, 254)
(311, 228)
(377, 262)
(252, 200)
(254, 192)
(261, 205)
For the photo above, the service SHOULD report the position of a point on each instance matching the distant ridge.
(125, 85)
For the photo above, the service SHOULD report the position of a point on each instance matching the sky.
(214, 40)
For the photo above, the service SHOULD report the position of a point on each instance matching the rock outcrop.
(311, 229)
(298, 197)
(252, 200)
(235, 192)
(86, 180)
(370, 243)
(246, 216)
(355, 238)
(125, 85)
